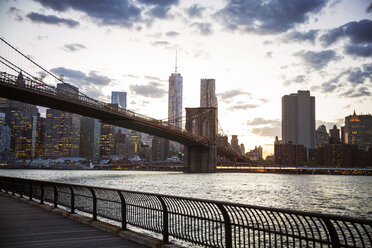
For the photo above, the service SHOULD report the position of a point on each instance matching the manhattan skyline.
(256, 56)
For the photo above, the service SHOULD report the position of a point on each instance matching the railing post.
(94, 203)
(165, 220)
(41, 193)
(332, 233)
(30, 190)
(72, 200)
(55, 196)
(227, 221)
(21, 190)
(123, 212)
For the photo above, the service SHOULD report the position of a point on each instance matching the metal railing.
(201, 222)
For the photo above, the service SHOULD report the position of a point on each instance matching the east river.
(332, 194)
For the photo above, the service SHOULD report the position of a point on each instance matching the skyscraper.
(298, 119)
(90, 133)
(207, 93)
(62, 129)
(175, 103)
(358, 130)
(120, 98)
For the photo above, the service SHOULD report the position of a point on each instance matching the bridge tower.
(202, 122)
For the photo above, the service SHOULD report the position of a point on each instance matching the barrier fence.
(200, 222)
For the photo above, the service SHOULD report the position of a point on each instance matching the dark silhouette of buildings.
(358, 130)
(290, 154)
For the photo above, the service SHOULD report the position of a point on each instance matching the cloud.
(73, 47)
(160, 43)
(360, 92)
(204, 28)
(155, 78)
(18, 16)
(159, 8)
(105, 12)
(80, 79)
(172, 33)
(152, 90)
(261, 121)
(228, 95)
(362, 50)
(300, 79)
(369, 8)
(351, 77)
(269, 131)
(51, 19)
(267, 17)
(296, 36)
(317, 60)
(357, 32)
(242, 107)
(269, 54)
(195, 10)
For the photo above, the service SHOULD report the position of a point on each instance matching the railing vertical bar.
(41, 193)
(165, 221)
(55, 196)
(94, 198)
(123, 209)
(30, 191)
(227, 221)
(332, 233)
(72, 203)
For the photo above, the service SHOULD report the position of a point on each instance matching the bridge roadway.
(24, 225)
(30, 91)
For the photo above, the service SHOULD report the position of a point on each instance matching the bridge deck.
(23, 225)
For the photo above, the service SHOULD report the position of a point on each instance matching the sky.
(256, 50)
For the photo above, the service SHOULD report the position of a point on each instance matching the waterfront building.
(5, 135)
(38, 136)
(62, 134)
(334, 135)
(107, 140)
(290, 154)
(242, 149)
(175, 104)
(321, 136)
(358, 130)
(336, 155)
(235, 143)
(19, 118)
(298, 119)
(255, 154)
(207, 93)
(90, 132)
(159, 149)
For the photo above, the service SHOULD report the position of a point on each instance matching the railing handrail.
(281, 210)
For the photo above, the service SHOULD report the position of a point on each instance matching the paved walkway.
(24, 225)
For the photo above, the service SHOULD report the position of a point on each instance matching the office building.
(62, 134)
(255, 154)
(90, 132)
(358, 130)
(119, 98)
(235, 143)
(19, 118)
(290, 154)
(321, 136)
(334, 135)
(107, 140)
(207, 93)
(38, 136)
(175, 104)
(298, 119)
(5, 135)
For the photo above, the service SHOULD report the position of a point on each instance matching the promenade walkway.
(24, 225)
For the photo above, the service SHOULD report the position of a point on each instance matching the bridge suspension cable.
(43, 69)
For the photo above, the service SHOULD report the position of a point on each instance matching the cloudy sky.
(257, 50)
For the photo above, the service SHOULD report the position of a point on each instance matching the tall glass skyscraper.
(175, 103)
(120, 98)
(207, 93)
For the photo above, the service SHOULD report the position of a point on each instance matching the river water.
(332, 194)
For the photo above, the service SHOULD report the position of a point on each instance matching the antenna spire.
(176, 62)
